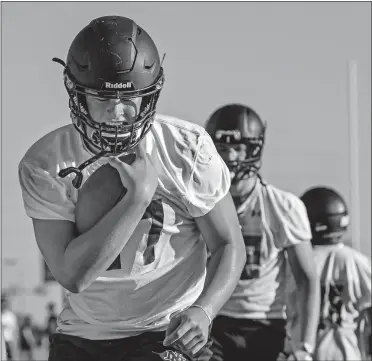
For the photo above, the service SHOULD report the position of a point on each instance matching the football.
(98, 195)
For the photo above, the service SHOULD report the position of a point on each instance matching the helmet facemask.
(118, 137)
(249, 167)
(108, 139)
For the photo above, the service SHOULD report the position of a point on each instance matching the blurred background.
(303, 66)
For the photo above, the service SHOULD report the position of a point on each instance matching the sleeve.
(209, 181)
(44, 196)
(295, 227)
(358, 275)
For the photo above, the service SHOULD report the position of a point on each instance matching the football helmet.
(327, 212)
(239, 124)
(112, 58)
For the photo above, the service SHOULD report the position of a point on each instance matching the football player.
(275, 226)
(345, 277)
(138, 284)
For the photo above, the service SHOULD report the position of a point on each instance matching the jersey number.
(253, 249)
(155, 212)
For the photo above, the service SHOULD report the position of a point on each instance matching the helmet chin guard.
(115, 138)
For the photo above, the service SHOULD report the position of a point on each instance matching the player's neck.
(243, 190)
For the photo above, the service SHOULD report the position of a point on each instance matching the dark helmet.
(327, 213)
(112, 58)
(239, 124)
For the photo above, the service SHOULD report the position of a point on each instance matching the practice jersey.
(271, 220)
(161, 269)
(345, 276)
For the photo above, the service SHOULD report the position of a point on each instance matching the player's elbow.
(71, 277)
(69, 284)
(74, 287)
(72, 281)
(63, 275)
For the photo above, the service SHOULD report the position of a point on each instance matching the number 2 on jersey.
(154, 212)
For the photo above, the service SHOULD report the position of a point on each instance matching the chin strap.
(76, 182)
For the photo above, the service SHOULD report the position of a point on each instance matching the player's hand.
(188, 331)
(137, 174)
(300, 356)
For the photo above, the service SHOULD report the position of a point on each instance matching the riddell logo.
(125, 85)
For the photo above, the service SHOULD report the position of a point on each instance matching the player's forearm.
(309, 296)
(91, 253)
(223, 273)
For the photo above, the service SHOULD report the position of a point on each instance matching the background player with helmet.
(275, 226)
(345, 276)
(119, 200)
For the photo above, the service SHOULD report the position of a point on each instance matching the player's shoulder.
(340, 250)
(178, 130)
(51, 148)
(342, 254)
(180, 141)
(284, 200)
(188, 161)
(288, 216)
(351, 253)
(49, 141)
(178, 124)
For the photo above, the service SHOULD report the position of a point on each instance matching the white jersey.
(137, 293)
(271, 221)
(345, 276)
